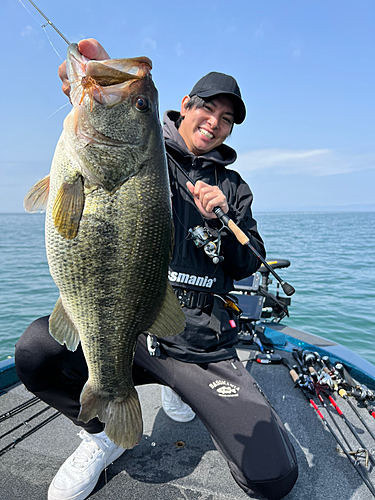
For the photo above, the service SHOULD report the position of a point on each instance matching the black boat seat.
(275, 264)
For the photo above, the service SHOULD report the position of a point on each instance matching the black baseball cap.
(219, 83)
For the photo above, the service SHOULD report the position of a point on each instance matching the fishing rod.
(320, 389)
(226, 221)
(296, 377)
(310, 359)
(327, 407)
(350, 426)
(307, 382)
(239, 234)
(360, 392)
(50, 22)
(361, 396)
(25, 422)
(19, 408)
(355, 464)
(29, 433)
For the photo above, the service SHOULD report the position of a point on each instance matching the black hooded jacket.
(190, 267)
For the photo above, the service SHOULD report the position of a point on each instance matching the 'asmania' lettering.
(190, 279)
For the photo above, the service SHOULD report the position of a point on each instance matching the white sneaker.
(174, 407)
(78, 475)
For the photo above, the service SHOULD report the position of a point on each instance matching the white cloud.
(27, 31)
(314, 162)
(149, 43)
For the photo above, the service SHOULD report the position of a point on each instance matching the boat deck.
(157, 469)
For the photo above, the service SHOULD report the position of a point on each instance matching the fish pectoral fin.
(68, 207)
(62, 328)
(171, 319)
(123, 417)
(36, 198)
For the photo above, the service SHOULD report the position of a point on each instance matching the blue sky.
(305, 68)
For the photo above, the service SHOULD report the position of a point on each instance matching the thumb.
(190, 187)
(92, 49)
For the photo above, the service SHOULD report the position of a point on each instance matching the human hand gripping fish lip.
(90, 77)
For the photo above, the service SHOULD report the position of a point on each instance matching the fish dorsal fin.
(68, 207)
(37, 196)
(171, 319)
(62, 328)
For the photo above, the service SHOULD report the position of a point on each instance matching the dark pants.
(244, 427)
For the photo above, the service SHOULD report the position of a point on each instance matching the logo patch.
(225, 389)
(191, 279)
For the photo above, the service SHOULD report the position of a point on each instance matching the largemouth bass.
(109, 233)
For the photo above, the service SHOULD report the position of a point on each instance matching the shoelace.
(86, 450)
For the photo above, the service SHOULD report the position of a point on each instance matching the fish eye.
(141, 103)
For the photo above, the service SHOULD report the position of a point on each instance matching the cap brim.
(238, 104)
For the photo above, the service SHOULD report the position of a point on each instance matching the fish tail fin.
(122, 417)
(171, 319)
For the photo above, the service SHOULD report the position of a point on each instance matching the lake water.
(332, 269)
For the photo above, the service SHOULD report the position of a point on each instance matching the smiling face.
(204, 129)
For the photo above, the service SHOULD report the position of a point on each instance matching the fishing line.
(34, 129)
(45, 31)
(43, 26)
(57, 110)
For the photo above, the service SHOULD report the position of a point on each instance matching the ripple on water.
(332, 269)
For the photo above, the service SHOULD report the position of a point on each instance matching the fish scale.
(109, 240)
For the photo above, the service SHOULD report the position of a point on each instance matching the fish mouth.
(105, 81)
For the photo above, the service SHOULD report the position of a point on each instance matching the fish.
(109, 233)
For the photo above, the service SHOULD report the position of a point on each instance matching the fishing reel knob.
(309, 357)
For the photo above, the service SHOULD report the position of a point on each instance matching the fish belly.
(112, 279)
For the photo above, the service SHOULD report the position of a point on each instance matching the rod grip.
(294, 375)
(238, 233)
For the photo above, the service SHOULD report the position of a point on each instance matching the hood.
(223, 155)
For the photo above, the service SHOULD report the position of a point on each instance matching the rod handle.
(294, 375)
(238, 233)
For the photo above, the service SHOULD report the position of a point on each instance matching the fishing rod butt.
(287, 289)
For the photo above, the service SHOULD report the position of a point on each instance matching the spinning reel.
(203, 238)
